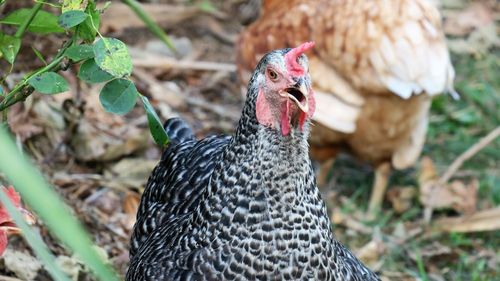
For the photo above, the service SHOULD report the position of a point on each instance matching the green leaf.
(49, 83)
(88, 29)
(9, 46)
(71, 18)
(118, 96)
(71, 5)
(44, 22)
(80, 52)
(155, 125)
(112, 56)
(91, 73)
(37, 193)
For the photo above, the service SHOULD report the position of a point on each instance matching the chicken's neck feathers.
(260, 169)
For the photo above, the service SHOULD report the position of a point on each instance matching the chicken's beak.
(11, 228)
(298, 94)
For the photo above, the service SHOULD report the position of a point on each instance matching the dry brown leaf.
(103, 136)
(129, 173)
(22, 264)
(401, 198)
(477, 43)
(486, 220)
(432, 252)
(131, 203)
(371, 252)
(23, 122)
(457, 195)
(130, 206)
(462, 22)
(105, 200)
(70, 266)
(427, 171)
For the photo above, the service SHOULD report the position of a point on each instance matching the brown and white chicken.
(376, 66)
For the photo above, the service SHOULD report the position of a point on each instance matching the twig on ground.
(482, 143)
(486, 220)
(143, 59)
(168, 63)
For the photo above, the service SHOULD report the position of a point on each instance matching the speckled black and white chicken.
(244, 207)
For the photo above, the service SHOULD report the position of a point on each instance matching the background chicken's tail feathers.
(178, 130)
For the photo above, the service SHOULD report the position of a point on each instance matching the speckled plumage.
(244, 207)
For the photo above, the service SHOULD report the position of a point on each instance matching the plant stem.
(27, 21)
(22, 90)
(136, 7)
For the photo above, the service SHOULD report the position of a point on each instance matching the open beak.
(10, 227)
(298, 94)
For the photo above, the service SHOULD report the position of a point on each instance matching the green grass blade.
(153, 27)
(34, 240)
(37, 193)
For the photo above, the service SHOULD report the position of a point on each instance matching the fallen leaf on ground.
(70, 266)
(22, 264)
(103, 136)
(23, 123)
(129, 173)
(130, 206)
(401, 198)
(477, 43)
(430, 253)
(371, 252)
(457, 195)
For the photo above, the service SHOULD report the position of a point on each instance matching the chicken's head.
(285, 99)
(7, 225)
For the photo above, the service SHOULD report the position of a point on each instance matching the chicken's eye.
(272, 75)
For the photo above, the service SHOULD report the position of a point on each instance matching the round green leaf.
(80, 52)
(155, 126)
(49, 83)
(112, 56)
(91, 73)
(118, 96)
(71, 18)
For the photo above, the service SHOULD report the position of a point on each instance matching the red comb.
(291, 58)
